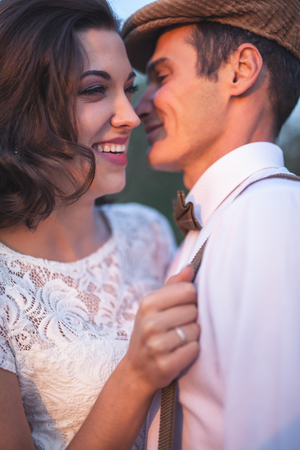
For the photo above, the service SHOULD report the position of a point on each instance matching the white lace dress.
(65, 326)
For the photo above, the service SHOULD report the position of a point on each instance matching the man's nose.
(145, 104)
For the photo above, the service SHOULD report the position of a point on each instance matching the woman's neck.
(69, 234)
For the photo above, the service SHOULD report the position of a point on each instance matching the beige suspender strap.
(287, 176)
(168, 396)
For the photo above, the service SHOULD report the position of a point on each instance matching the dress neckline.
(103, 249)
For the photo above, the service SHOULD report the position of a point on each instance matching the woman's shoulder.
(136, 215)
(143, 236)
(6, 279)
(140, 225)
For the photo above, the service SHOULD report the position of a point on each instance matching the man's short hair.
(215, 42)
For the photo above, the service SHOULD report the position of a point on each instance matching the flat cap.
(277, 20)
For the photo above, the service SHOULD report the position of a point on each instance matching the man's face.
(182, 112)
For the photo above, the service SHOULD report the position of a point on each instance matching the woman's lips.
(119, 159)
(121, 140)
(112, 152)
(108, 147)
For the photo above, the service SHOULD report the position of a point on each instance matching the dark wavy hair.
(41, 61)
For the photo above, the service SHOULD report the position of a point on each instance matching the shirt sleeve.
(252, 283)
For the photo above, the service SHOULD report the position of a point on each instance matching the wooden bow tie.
(184, 214)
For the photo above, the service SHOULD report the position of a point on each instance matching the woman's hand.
(156, 355)
(156, 351)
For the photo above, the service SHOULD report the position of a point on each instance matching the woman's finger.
(186, 274)
(167, 297)
(164, 343)
(169, 319)
(169, 366)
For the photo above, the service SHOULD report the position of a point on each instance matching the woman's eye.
(94, 90)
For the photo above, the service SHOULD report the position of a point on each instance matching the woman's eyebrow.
(98, 73)
(103, 74)
(131, 75)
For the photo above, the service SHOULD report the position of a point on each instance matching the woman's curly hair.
(41, 61)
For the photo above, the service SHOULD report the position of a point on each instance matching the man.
(223, 78)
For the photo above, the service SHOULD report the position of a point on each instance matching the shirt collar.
(226, 174)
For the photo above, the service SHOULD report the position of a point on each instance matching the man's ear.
(246, 67)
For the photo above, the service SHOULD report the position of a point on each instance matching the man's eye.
(161, 78)
(131, 89)
(93, 90)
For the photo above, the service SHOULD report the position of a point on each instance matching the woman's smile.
(104, 111)
(113, 150)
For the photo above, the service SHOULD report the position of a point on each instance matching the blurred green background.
(157, 189)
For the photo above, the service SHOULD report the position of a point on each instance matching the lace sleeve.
(141, 440)
(146, 237)
(166, 242)
(163, 248)
(7, 359)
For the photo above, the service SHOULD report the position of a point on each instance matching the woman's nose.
(124, 116)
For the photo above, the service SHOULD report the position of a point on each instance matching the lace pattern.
(64, 327)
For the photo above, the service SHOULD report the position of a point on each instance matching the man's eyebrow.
(98, 73)
(151, 67)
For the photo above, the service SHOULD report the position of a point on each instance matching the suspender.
(168, 396)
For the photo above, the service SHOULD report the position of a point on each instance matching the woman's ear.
(246, 63)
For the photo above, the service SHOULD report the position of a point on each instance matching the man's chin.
(158, 161)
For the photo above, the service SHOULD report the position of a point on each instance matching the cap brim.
(271, 19)
(141, 41)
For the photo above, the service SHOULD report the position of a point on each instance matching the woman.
(72, 275)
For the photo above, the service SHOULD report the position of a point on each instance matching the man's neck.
(243, 135)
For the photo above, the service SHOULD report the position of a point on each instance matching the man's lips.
(151, 127)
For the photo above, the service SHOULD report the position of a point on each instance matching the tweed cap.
(277, 20)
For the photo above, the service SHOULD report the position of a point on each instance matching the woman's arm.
(14, 429)
(154, 358)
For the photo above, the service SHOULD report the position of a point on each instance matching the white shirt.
(243, 392)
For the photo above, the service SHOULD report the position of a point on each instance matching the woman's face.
(104, 112)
